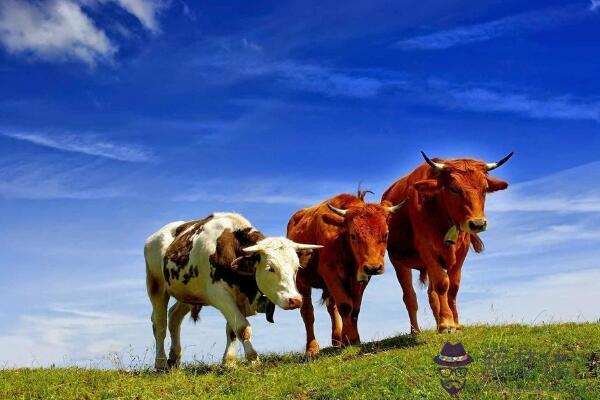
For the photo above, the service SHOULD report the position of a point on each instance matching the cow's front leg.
(344, 304)
(176, 314)
(336, 323)
(230, 356)
(404, 275)
(454, 277)
(308, 317)
(225, 303)
(357, 294)
(439, 284)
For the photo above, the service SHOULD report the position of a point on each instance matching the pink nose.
(294, 302)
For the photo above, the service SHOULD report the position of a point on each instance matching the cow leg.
(357, 295)
(160, 302)
(454, 276)
(308, 316)
(344, 305)
(336, 323)
(176, 314)
(404, 275)
(223, 301)
(229, 357)
(439, 284)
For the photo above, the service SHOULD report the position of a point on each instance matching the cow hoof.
(446, 329)
(254, 362)
(312, 349)
(161, 365)
(173, 363)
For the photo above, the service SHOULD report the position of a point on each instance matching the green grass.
(395, 368)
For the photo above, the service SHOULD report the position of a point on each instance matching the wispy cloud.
(595, 4)
(89, 145)
(35, 181)
(233, 62)
(60, 30)
(264, 191)
(511, 25)
(534, 106)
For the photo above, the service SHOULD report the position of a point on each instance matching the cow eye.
(270, 269)
(385, 237)
(455, 190)
(352, 236)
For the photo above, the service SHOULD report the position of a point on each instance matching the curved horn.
(494, 165)
(337, 210)
(252, 249)
(398, 206)
(433, 164)
(302, 246)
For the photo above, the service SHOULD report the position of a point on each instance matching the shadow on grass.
(271, 360)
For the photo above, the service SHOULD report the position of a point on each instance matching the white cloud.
(60, 30)
(53, 30)
(548, 107)
(67, 336)
(529, 21)
(594, 5)
(146, 11)
(89, 145)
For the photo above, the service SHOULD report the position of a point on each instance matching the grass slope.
(549, 362)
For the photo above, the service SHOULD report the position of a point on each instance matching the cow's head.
(462, 185)
(367, 233)
(274, 262)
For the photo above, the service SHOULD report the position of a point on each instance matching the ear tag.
(451, 236)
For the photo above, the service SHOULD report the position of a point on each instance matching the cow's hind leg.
(176, 314)
(229, 357)
(159, 302)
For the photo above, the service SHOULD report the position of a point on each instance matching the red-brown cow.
(445, 211)
(354, 235)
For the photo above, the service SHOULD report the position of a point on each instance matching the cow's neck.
(432, 213)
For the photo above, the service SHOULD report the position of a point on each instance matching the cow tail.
(195, 315)
(477, 243)
(423, 277)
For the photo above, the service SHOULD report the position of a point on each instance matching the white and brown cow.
(220, 261)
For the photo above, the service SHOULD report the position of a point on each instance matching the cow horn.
(398, 206)
(252, 249)
(433, 164)
(337, 210)
(302, 246)
(494, 165)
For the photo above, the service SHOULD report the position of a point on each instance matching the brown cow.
(354, 235)
(445, 211)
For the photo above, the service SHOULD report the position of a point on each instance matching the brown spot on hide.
(230, 246)
(179, 251)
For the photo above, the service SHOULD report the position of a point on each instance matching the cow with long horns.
(444, 215)
(354, 235)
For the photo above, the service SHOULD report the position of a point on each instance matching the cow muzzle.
(477, 225)
(373, 269)
(293, 303)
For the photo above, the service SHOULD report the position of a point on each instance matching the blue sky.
(119, 116)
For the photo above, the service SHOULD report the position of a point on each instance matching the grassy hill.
(510, 362)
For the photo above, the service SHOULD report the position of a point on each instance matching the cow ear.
(427, 186)
(245, 265)
(495, 184)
